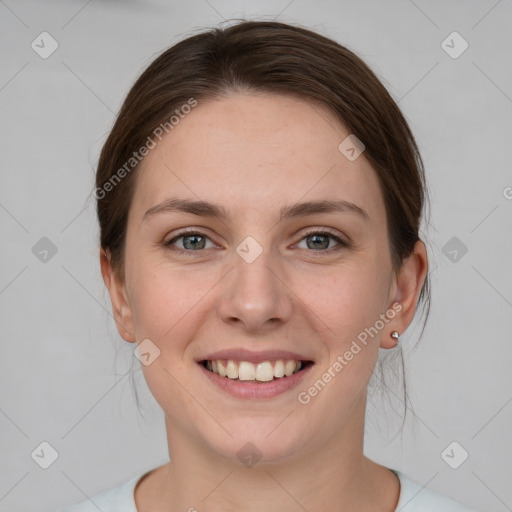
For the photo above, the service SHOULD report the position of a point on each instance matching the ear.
(117, 290)
(406, 291)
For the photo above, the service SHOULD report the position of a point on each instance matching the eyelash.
(340, 242)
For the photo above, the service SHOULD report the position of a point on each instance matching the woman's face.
(270, 281)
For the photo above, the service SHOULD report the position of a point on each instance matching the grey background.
(64, 370)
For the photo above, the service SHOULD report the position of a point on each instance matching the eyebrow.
(206, 209)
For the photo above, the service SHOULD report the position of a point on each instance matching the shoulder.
(416, 498)
(115, 499)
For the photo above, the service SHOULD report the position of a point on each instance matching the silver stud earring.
(395, 335)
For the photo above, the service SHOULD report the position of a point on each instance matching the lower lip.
(251, 390)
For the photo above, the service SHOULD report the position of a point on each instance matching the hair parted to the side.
(261, 56)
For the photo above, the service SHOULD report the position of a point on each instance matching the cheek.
(346, 299)
(167, 301)
(168, 309)
(348, 302)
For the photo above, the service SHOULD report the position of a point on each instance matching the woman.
(259, 200)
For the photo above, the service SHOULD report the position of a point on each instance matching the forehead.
(253, 152)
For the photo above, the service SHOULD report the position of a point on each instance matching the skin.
(252, 154)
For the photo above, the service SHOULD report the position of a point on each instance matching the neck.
(332, 476)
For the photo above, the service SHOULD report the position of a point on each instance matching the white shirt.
(413, 498)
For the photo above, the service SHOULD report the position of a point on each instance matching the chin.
(258, 441)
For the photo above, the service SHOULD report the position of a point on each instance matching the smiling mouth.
(265, 371)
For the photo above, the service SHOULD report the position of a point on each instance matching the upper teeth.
(244, 370)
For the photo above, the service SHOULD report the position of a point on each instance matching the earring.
(395, 335)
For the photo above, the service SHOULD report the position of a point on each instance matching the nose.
(255, 296)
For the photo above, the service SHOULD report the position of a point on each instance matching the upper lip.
(242, 354)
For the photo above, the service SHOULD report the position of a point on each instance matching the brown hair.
(277, 58)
